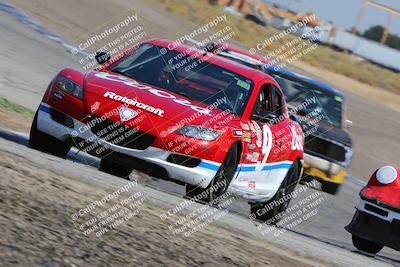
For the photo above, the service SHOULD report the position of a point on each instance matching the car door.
(266, 124)
(281, 125)
(288, 134)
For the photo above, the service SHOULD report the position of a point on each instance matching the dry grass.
(6, 104)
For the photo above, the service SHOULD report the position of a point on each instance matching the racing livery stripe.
(266, 168)
(44, 108)
(209, 166)
(213, 167)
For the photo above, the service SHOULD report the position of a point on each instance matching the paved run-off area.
(39, 195)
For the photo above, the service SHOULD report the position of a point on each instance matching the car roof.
(245, 54)
(281, 71)
(297, 76)
(216, 60)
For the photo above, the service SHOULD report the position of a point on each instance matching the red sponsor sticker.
(95, 107)
(252, 184)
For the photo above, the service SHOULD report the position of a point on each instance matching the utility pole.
(387, 29)
(359, 16)
(392, 12)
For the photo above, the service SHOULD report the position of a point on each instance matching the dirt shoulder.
(35, 217)
(14, 121)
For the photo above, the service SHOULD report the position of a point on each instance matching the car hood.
(112, 91)
(384, 194)
(330, 132)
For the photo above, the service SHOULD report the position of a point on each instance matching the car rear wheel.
(330, 188)
(219, 184)
(47, 143)
(267, 211)
(114, 168)
(366, 245)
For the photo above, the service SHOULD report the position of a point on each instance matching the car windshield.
(188, 76)
(312, 100)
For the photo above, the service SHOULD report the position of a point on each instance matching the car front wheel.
(114, 168)
(268, 211)
(366, 245)
(219, 184)
(46, 143)
(330, 188)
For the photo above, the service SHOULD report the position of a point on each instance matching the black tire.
(262, 212)
(47, 143)
(306, 178)
(330, 188)
(114, 168)
(224, 175)
(366, 245)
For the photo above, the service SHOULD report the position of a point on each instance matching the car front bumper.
(377, 224)
(260, 185)
(323, 169)
(200, 175)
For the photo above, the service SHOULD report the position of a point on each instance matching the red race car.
(377, 220)
(180, 113)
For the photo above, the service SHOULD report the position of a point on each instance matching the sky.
(343, 13)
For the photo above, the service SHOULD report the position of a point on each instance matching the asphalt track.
(28, 61)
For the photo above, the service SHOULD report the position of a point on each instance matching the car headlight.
(386, 175)
(198, 133)
(69, 86)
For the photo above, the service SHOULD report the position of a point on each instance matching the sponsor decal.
(94, 107)
(245, 126)
(252, 146)
(252, 184)
(252, 127)
(129, 101)
(237, 133)
(243, 84)
(297, 139)
(259, 143)
(338, 99)
(249, 157)
(154, 91)
(255, 157)
(127, 114)
(247, 137)
(58, 94)
(258, 133)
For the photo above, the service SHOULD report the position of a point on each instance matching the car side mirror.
(302, 112)
(293, 117)
(102, 57)
(266, 117)
(348, 123)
